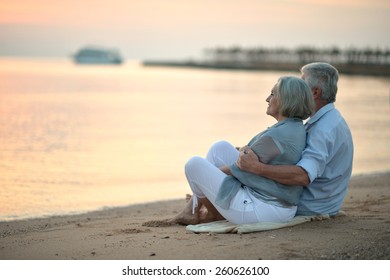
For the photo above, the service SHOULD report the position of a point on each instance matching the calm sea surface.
(78, 138)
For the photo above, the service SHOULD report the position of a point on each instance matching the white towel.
(227, 227)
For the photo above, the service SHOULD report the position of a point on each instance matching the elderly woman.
(222, 191)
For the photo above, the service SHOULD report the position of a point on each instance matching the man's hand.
(291, 175)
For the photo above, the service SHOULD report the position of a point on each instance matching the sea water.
(76, 138)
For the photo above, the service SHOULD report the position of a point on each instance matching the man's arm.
(285, 174)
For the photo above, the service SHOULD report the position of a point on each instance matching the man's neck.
(319, 104)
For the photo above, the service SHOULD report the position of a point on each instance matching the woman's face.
(273, 108)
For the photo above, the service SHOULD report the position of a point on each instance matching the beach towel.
(227, 227)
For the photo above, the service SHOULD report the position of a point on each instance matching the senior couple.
(289, 169)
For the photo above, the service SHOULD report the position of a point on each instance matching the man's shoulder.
(331, 128)
(329, 120)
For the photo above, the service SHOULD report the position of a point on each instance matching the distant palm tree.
(302, 55)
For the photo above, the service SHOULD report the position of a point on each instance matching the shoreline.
(117, 233)
(364, 69)
(137, 204)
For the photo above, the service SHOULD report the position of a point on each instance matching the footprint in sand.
(158, 223)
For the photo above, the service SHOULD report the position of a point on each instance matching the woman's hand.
(248, 160)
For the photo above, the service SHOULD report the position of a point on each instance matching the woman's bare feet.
(210, 217)
(187, 217)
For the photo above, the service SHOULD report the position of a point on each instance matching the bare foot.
(185, 219)
(180, 219)
(200, 217)
(208, 217)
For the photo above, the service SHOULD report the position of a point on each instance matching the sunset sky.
(165, 29)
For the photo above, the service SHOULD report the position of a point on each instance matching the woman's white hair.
(296, 98)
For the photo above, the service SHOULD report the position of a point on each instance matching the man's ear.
(317, 93)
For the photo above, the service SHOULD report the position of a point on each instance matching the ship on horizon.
(97, 55)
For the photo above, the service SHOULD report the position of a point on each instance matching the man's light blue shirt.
(327, 160)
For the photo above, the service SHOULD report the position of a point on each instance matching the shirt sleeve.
(267, 148)
(315, 155)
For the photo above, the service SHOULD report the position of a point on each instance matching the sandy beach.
(118, 234)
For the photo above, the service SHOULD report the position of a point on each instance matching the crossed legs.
(205, 178)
